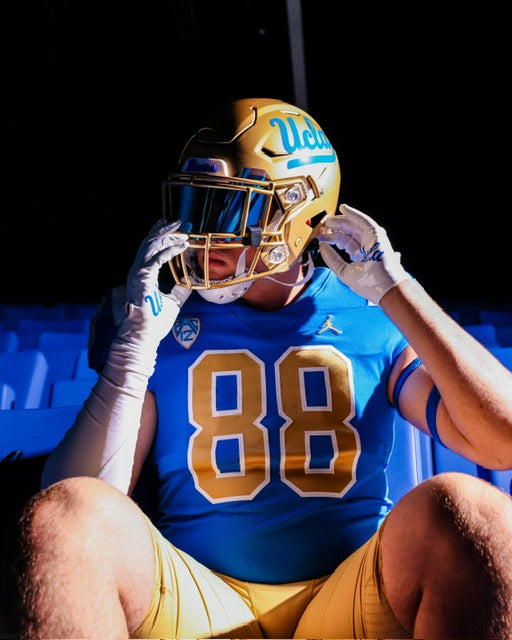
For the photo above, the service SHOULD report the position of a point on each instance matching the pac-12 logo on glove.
(375, 266)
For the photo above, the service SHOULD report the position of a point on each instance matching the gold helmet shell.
(260, 173)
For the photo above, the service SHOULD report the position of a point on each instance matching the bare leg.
(85, 563)
(446, 551)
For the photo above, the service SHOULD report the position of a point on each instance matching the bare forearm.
(476, 389)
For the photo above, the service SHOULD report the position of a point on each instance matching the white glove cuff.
(387, 280)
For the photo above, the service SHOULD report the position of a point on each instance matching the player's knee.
(43, 528)
(468, 514)
(452, 534)
(64, 507)
(466, 531)
(466, 500)
(460, 500)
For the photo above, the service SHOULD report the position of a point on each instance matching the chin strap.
(230, 293)
(310, 268)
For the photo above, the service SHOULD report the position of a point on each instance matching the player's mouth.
(219, 266)
(215, 258)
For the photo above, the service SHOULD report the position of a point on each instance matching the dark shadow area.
(99, 100)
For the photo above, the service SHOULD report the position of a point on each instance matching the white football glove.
(103, 439)
(375, 266)
(150, 313)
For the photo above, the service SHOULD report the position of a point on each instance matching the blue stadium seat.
(7, 396)
(80, 325)
(66, 393)
(455, 314)
(82, 366)
(79, 309)
(484, 333)
(466, 313)
(30, 329)
(9, 341)
(504, 355)
(33, 432)
(504, 335)
(411, 459)
(447, 460)
(497, 317)
(26, 372)
(11, 313)
(61, 339)
(61, 366)
(500, 479)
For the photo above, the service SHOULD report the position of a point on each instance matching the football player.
(263, 390)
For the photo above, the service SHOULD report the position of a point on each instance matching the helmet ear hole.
(316, 220)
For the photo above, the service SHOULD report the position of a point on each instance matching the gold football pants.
(190, 601)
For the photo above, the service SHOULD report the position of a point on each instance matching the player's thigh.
(352, 602)
(92, 526)
(190, 601)
(451, 533)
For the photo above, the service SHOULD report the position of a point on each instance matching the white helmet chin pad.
(230, 292)
(222, 295)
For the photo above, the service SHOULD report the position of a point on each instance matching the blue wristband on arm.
(431, 413)
(414, 364)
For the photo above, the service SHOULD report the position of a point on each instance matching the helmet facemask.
(228, 213)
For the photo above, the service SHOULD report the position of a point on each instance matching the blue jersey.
(274, 431)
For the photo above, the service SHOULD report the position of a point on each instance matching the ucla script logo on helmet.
(186, 331)
(311, 138)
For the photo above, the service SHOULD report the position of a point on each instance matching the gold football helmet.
(260, 174)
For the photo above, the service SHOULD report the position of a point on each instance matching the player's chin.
(219, 272)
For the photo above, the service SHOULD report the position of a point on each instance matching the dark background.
(99, 97)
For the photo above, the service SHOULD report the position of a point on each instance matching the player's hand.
(150, 313)
(375, 266)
